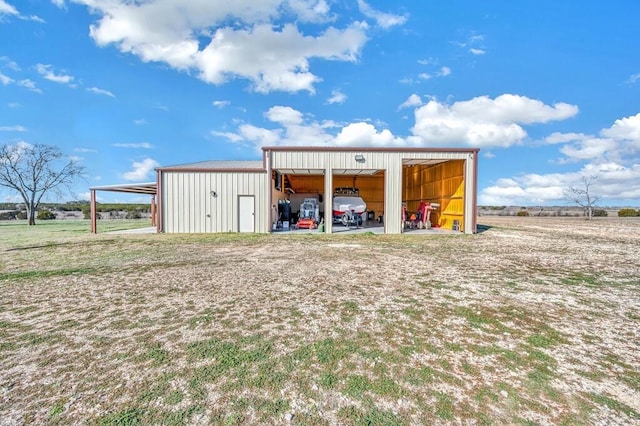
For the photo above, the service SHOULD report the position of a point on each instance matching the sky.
(548, 90)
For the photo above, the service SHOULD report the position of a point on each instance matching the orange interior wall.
(371, 187)
(442, 183)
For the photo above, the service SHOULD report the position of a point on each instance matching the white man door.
(246, 213)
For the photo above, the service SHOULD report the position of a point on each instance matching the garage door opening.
(302, 203)
(437, 185)
(359, 200)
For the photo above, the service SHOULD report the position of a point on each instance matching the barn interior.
(437, 183)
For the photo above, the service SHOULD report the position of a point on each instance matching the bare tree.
(34, 170)
(583, 197)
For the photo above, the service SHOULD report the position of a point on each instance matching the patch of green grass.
(156, 354)
(349, 309)
(632, 379)
(328, 380)
(174, 397)
(485, 394)
(480, 318)
(541, 340)
(56, 410)
(613, 404)
(37, 274)
(419, 376)
(37, 339)
(356, 385)
(387, 387)
(204, 318)
(368, 416)
(329, 351)
(444, 406)
(270, 409)
(127, 417)
(579, 278)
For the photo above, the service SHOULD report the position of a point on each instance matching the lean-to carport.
(150, 188)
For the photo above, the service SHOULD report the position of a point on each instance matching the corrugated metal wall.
(444, 183)
(189, 206)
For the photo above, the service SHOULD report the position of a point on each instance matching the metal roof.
(218, 165)
(133, 188)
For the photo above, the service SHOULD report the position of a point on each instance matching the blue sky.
(548, 90)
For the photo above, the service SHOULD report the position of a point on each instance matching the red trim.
(475, 193)
(159, 226)
(366, 149)
(94, 222)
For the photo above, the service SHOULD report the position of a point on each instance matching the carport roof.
(150, 188)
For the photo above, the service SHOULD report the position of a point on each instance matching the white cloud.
(633, 78)
(412, 101)
(588, 148)
(445, 71)
(613, 156)
(140, 170)
(220, 104)
(365, 134)
(59, 3)
(242, 42)
(337, 97)
(484, 122)
(384, 20)
(30, 85)
(627, 128)
(233, 137)
(296, 130)
(7, 9)
(13, 129)
(556, 137)
(424, 76)
(140, 122)
(477, 52)
(34, 18)
(259, 136)
(5, 80)
(620, 142)
(8, 63)
(316, 11)
(84, 150)
(143, 145)
(428, 61)
(47, 73)
(614, 182)
(99, 91)
(284, 115)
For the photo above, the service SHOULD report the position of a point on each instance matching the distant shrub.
(21, 215)
(86, 212)
(133, 214)
(600, 213)
(522, 213)
(628, 213)
(45, 215)
(11, 215)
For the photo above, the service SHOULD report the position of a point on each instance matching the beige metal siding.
(392, 164)
(189, 207)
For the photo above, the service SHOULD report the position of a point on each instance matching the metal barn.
(242, 196)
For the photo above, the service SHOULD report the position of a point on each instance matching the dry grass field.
(531, 321)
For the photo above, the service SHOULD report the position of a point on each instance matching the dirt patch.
(532, 320)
